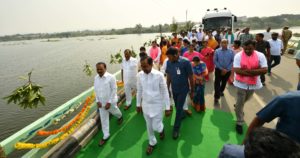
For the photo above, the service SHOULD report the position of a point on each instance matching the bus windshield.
(217, 23)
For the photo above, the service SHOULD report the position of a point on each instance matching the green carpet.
(202, 136)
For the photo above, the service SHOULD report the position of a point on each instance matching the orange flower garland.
(81, 117)
(67, 126)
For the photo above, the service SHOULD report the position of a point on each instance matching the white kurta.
(193, 38)
(200, 36)
(130, 70)
(106, 92)
(152, 88)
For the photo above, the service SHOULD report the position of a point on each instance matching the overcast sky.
(34, 16)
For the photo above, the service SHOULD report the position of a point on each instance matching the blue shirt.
(179, 72)
(287, 108)
(223, 59)
(232, 151)
(183, 50)
(199, 69)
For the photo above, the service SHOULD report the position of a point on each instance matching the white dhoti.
(129, 87)
(154, 124)
(104, 117)
(156, 66)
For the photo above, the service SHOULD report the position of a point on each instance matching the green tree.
(174, 25)
(138, 28)
(189, 25)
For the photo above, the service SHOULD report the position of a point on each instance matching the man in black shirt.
(263, 47)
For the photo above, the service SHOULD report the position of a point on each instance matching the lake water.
(58, 66)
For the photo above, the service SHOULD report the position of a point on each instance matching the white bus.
(217, 19)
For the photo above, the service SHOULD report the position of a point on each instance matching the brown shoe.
(197, 108)
(150, 149)
(120, 120)
(102, 142)
(202, 108)
(188, 112)
(162, 135)
(193, 104)
(126, 107)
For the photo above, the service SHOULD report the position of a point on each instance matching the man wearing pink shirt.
(154, 53)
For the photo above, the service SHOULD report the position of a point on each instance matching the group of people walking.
(176, 70)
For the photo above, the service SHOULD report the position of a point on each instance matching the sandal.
(102, 141)
(150, 149)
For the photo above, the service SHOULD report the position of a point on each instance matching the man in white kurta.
(152, 87)
(129, 71)
(106, 98)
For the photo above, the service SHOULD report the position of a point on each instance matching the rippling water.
(58, 66)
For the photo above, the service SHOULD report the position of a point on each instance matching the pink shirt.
(190, 56)
(154, 52)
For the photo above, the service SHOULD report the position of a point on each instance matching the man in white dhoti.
(129, 70)
(106, 98)
(152, 87)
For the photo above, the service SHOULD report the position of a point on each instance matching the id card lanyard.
(178, 71)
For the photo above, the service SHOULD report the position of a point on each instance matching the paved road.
(284, 78)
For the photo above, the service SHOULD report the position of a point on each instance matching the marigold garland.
(81, 117)
(67, 126)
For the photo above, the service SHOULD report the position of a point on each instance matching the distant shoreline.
(73, 34)
(255, 23)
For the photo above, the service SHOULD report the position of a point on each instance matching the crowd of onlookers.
(176, 70)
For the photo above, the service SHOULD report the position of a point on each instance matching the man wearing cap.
(286, 36)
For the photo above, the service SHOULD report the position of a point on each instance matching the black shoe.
(239, 129)
(264, 84)
(217, 103)
(162, 135)
(222, 94)
(175, 135)
(120, 120)
(183, 117)
(171, 108)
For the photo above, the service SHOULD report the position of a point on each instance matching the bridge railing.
(7, 146)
